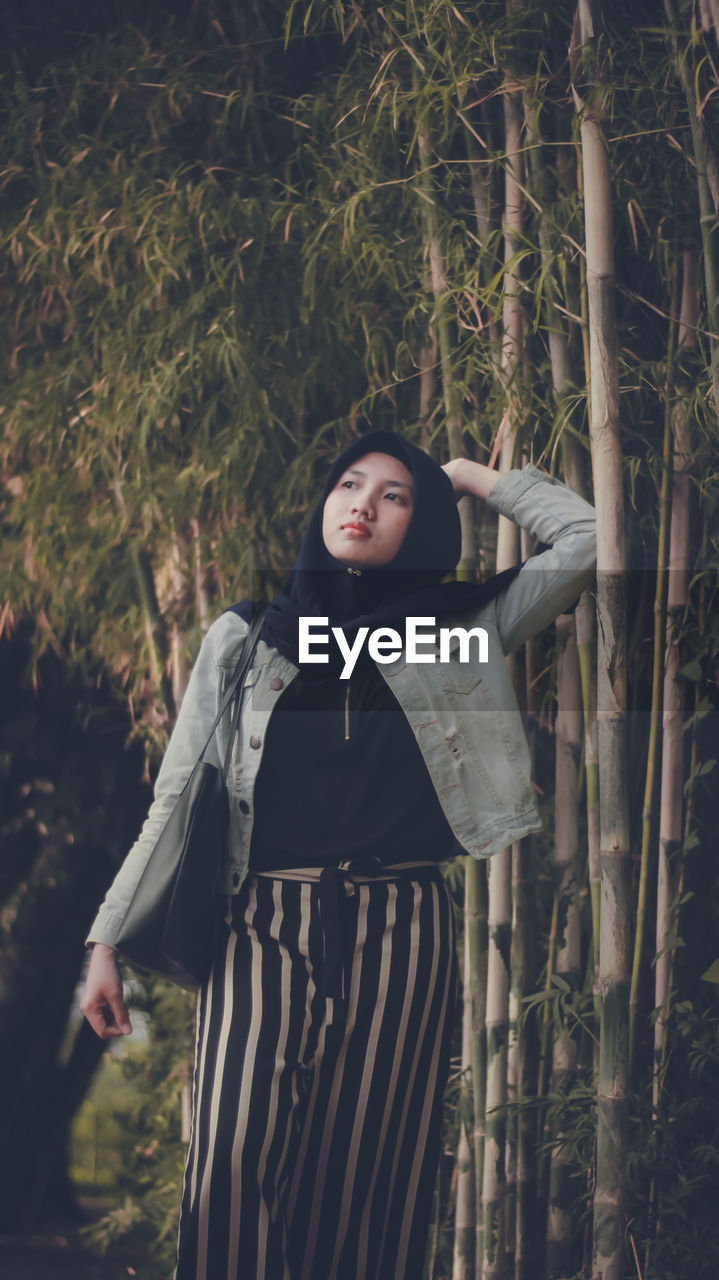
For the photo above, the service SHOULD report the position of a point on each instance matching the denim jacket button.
(255, 741)
(244, 807)
(277, 682)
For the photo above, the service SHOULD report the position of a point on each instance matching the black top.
(343, 777)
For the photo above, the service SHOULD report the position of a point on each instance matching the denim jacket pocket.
(462, 680)
(226, 672)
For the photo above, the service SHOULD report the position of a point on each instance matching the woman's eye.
(346, 484)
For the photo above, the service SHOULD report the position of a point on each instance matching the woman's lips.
(359, 530)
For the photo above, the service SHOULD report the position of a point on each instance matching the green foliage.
(216, 267)
(198, 215)
(712, 973)
(674, 1151)
(101, 1137)
(148, 1110)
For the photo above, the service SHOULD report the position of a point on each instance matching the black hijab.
(381, 596)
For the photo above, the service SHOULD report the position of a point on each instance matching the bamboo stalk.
(672, 789)
(512, 325)
(466, 1209)
(494, 1176)
(500, 868)
(523, 1045)
(585, 624)
(450, 389)
(708, 212)
(497, 1015)
(476, 873)
(568, 740)
(155, 633)
(438, 275)
(427, 386)
(584, 617)
(660, 615)
(545, 1061)
(661, 1064)
(610, 1192)
(559, 1215)
(480, 177)
(464, 1220)
(545, 1051)
(179, 673)
(510, 1157)
(477, 933)
(568, 737)
(523, 968)
(201, 602)
(585, 631)
(470, 1176)
(154, 629)
(670, 864)
(583, 301)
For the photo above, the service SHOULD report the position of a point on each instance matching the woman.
(323, 1033)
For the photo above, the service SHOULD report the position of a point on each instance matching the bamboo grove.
(233, 235)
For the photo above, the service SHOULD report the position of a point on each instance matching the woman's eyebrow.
(400, 484)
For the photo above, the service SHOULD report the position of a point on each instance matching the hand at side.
(102, 1001)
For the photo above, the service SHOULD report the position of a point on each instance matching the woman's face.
(367, 513)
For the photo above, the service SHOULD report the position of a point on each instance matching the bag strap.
(238, 676)
(243, 666)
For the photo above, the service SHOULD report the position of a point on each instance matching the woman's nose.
(362, 506)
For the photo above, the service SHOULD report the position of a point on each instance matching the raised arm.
(471, 478)
(552, 513)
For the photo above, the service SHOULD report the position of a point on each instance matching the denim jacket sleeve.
(199, 708)
(548, 583)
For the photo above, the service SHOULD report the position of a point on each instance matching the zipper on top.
(358, 574)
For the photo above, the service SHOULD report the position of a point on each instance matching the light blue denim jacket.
(464, 714)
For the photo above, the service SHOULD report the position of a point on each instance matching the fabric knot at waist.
(336, 881)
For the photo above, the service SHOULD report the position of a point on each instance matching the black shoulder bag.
(169, 926)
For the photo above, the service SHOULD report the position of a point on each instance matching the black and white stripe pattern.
(315, 1137)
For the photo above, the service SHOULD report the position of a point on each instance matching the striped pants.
(316, 1122)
